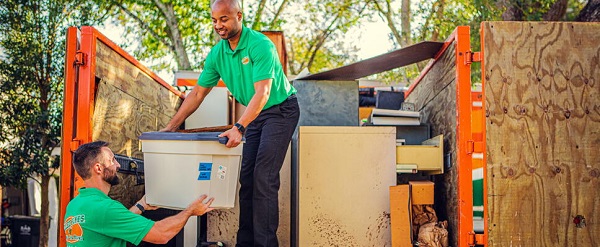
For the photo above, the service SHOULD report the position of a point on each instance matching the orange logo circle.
(73, 231)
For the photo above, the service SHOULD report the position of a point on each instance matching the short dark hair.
(87, 155)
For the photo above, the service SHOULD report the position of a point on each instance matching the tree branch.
(144, 25)
(591, 12)
(278, 13)
(405, 23)
(177, 47)
(387, 17)
(557, 11)
(513, 11)
(256, 23)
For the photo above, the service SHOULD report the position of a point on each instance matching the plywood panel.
(127, 103)
(344, 175)
(542, 97)
(435, 97)
(120, 73)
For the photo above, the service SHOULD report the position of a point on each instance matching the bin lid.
(178, 136)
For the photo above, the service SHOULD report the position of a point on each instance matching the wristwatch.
(240, 128)
(139, 206)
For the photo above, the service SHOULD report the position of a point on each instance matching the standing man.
(94, 219)
(248, 63)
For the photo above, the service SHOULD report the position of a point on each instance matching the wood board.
(435, 97)
(127, 103)
(542, 106)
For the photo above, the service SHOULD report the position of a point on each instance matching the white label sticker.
(222, 172)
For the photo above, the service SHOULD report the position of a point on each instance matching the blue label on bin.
(205, 167)
(204, 176)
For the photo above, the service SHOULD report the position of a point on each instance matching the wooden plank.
(542, 101)
(120, 119)
(435, 97)
(120, 73)
(127, 103)
(437, 79)
(395, 59)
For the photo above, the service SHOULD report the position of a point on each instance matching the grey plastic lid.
(178, 136)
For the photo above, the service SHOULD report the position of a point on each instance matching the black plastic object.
(389, 100)
(25, 230)
(223, 140)
(130, 165)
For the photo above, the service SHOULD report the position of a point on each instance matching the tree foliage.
(315, 30)
(316, 37)
(264, 14)
(166, 31)
(32, 35)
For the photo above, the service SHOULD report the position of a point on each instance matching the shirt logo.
(245, 60)
(73, 230)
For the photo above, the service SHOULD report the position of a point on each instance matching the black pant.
(267, 140)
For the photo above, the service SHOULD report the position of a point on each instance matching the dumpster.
(179, 167)
(25, 230)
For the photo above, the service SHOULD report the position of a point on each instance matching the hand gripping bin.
(180, 167)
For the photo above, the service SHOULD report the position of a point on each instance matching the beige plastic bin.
(179, 167)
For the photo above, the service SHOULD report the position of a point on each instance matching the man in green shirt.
(248, 63)
(94, 219)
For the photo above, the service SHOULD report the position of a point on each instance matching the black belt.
(293, 96)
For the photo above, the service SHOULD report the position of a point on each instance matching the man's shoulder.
(93, 199)
(217, 48)
(258, 38)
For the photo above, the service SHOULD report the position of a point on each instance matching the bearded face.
(110, 175)
(110, 164)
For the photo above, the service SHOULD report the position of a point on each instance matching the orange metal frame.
(465, 143)
(79, 96)
(483, 139)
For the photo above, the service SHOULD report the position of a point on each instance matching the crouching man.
(94, 219)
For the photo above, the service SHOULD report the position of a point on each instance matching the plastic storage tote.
(179, 167)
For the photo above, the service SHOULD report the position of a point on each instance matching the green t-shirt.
(255, 59)
(94, 219)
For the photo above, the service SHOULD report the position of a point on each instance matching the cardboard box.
(400, 215)
(421, 192)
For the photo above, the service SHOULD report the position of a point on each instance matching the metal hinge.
(472, 57)
(474, 147)
(480, 239)
(80, 58)
(74, 145)
(471, 239)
